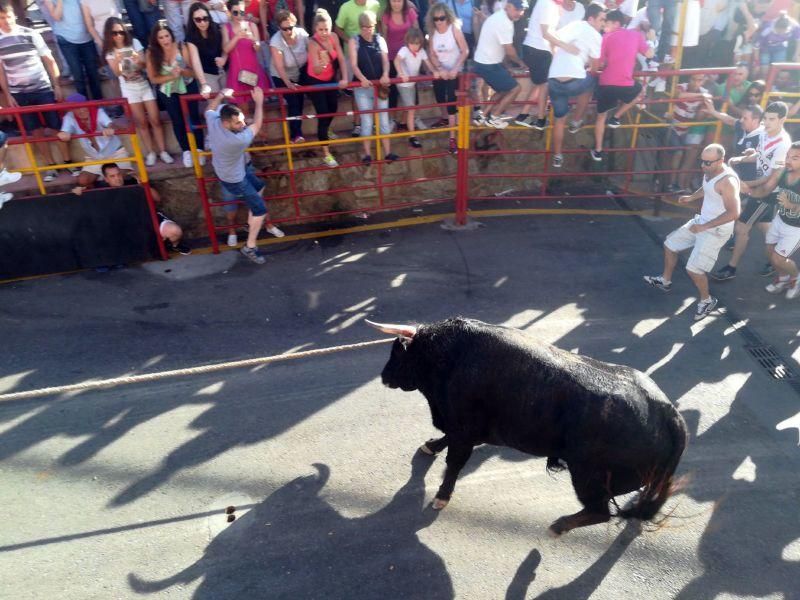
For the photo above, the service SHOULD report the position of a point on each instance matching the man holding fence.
(228, 138)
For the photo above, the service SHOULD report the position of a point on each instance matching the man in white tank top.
(705, 233)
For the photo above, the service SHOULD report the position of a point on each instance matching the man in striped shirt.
(769, 158)
(29, 77)
(691, 98)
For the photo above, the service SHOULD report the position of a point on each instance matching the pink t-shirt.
(395, 34)
(618, 54)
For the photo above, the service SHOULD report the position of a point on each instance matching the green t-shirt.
(349, 12)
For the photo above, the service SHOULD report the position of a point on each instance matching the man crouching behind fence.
(705, 233)
(228, 138)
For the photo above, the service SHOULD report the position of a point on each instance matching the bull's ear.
(402, 331)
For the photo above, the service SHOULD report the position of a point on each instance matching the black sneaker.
(705, 308)
(657, 281)
(253, 254)
(725, 273)
(540, 124)
(182, 248)
(767, 270)
(522, 120)
(612, 122)
(391, 157)
(597, 155)
(414, 142)
(366, 159)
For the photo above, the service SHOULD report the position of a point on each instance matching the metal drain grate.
(772, 361)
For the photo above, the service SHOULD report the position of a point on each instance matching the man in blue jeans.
(228, 138)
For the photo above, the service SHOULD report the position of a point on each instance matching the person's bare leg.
(558, 135)
(670, 260)
(255, 224)
(599, 130)
(580, 106)
(700, 281)
(140, 119)
(154, 119)
(626, 107)
(506, 100)
(542, 101)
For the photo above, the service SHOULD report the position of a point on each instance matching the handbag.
(247, 77)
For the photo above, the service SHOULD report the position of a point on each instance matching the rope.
(148, 377)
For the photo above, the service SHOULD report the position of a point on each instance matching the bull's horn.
(406, 331)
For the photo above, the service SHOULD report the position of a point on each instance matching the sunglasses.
(236, 13)
(117, 32)
(708, 163)
(441, 18)
(201, 19)
(289, 28)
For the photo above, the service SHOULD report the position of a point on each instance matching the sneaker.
(166, 157)
(356, 131)
(496, 122)
(7, 177)
(704, 308)
(150, 159)
(252, 254)
(332, 135)
(400, 126)
(182, 248)
(575, 126)
(657, 281)
(391, 157)
(612, 122)
(780, 284)
(272, 230)
(5, 197)
(330, 161)
(299, 140)
(414, 142)
(49, 175)
(452, 147)
(792, 293)
(725, 273)
(420, 124)
(767, 270)
(558, 161)
(597, 155)
(478, 118)
(187, 159)
(74, 171)
(366, 159)
(539, 124)
(522, 120)
(233, 240)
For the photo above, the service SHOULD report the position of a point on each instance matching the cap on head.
(76, 97)
(518, 4)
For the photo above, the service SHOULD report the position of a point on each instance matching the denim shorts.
(33, 121)
(562, 91)
(3, 139)
(496, 76)
(249, 190)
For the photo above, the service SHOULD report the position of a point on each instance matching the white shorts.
(785, 237)
(705, 245)
(98, 169)
(407, 94)
(135, 93)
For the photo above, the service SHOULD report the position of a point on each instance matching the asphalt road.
(120, 493)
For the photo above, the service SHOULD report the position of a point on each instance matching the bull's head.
(400, 371)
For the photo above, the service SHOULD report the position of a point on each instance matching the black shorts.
(444, 90)
(755, 211)
(33, 121)
(608, 96)
(538, 63)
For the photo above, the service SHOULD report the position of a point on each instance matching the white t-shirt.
(771, 152)
(588, 41)
(105, 146)
(411, 64)
(638, 18)
(546, 12)
(570, 16)
(497, 30)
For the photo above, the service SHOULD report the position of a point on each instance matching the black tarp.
(65, 232)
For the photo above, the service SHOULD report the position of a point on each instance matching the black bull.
(486, 384)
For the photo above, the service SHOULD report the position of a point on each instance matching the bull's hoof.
(425, 450)
(554, 532)
(439, 503)
(559, 527)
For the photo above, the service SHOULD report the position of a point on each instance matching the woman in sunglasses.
(240, 42)
(169, 67)
(289, 48)
(204, 39)
(125, 57)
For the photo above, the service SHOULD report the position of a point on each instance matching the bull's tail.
(660, 484)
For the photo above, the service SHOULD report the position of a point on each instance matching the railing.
(27, 140)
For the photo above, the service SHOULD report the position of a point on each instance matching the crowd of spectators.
(562, 52)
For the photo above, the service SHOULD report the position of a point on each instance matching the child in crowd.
(772, 41)
(407, 62)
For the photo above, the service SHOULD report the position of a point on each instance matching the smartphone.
(245, 26)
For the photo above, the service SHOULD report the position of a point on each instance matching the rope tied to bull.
(202, 370)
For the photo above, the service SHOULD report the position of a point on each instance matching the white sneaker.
(7, 177)
(496, 122)
(166, 157)
(49, 175)
(420, 124)
(5, 197)
(272, 230)
(150, 159)
(779, 285)
(187, 159)
(233, 240)
(794, 291)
